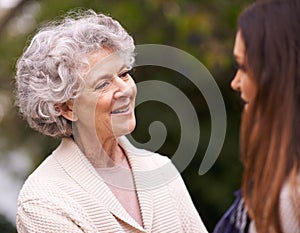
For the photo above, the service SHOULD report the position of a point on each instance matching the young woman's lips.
(245, 104)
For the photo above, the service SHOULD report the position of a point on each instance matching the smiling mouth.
(121, 110)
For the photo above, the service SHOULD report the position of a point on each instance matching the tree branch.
(11, 13)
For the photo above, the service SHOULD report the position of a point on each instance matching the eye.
(240, 67)
(125, 75)
(102, 85)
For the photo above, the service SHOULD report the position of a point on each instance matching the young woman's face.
(242, 81)
(107, 103)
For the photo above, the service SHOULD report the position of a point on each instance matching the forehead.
(239, 49)
(104, 57)
(104, 62)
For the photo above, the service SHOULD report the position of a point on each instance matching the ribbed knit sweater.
(66, 194)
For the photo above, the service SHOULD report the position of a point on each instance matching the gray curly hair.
(51, 69)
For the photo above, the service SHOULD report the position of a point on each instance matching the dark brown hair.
(270, 130)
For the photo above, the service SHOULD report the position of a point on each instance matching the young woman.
(267, 51)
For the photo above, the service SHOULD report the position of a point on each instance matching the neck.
(99, 151)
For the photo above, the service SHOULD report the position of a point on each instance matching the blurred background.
(204, 29)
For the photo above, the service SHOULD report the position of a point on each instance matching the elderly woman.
(73, 83)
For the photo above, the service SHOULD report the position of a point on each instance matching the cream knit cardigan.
(66, 194)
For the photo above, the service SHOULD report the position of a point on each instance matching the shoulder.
(44, 181)
(289, 200)
(287, 210)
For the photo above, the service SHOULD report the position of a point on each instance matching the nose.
(235, 83)
(123, 88)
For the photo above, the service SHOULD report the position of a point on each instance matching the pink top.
(120, 181)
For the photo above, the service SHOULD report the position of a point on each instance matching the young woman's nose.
(235, 83)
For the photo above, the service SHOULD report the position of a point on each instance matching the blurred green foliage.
(205, 29)
(6, 226)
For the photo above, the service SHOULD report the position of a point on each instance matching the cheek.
(85, 107)
(249, 88)
(103, 105)
(102, 115)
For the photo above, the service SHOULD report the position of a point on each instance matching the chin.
(124, 129)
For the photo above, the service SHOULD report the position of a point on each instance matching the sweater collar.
(80, 169)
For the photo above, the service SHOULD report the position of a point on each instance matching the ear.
(66, 110)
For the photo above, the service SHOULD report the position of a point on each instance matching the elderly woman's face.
(106, 106)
